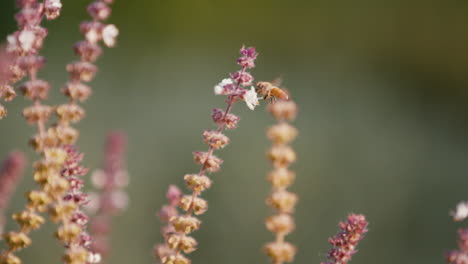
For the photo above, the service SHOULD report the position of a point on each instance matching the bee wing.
(277, 81)
(286, 91)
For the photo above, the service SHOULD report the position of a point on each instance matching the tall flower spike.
(23, 47)
(460, 255)
(11, 172)
(176, 234)
(345, 242)
(73, 221)
(280, 200)
(111, 198)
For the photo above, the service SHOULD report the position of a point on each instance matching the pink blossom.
(249, 52)
(345, 242)
(52, 8)
(248, 57)
(243, 78)
(173, 195)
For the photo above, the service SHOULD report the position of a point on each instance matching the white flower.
(12, 43)
(92, 36)
(94, 258)
(219, 88)
(461, 212)
(54, 3)
(251, 98)
(11, 39)
(26, 39)
(109, 34)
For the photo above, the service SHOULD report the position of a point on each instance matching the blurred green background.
(381, 87)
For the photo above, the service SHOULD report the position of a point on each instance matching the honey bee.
(271, 90)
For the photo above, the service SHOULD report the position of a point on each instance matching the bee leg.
(272, 99)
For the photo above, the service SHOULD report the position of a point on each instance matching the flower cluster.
(345, 242)
(176, 234)
(111, 199)
(11, 172)
(21, 55)
(282, 201)
(73, 223)
(239, 85)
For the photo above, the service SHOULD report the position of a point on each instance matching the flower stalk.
(177, 239)
(280, 200)
(111, 199)
(24, 46)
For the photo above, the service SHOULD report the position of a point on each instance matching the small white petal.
(92, 36)
(226, 82)
(54, 3)
(109, 34)
(219, 88)
(26, 39)
(11, 39)
(94, 258)
(461, 212)
(251, 98)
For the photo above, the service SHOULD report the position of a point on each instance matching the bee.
(271, 90)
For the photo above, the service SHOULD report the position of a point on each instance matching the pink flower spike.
(111, 198)
(345, 242)
(10, 173)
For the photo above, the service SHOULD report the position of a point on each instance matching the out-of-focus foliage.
(382, 92)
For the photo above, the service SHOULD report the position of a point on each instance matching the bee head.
(261, 87)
